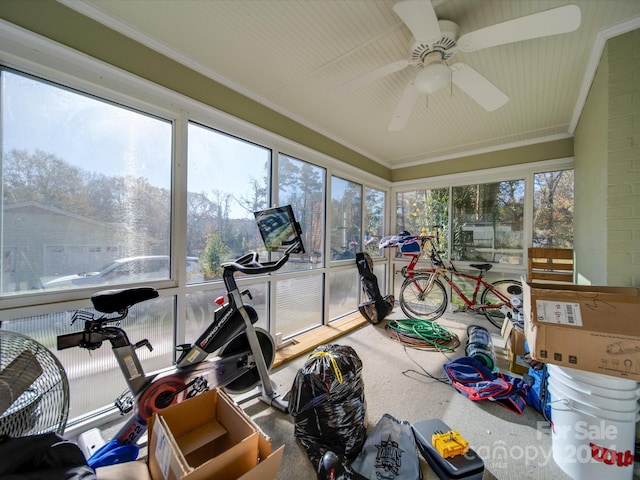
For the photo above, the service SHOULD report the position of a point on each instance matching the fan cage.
(43, 404)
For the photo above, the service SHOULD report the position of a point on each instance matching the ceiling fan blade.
(420, 17)
(543, 24)
(404, 108)
(371, 76)
(477, 87)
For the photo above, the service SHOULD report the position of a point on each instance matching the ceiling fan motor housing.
(443, 45)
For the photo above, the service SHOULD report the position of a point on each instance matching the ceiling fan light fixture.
(433, 77)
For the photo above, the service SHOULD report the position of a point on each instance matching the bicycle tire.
(416, 303)
(494, 315)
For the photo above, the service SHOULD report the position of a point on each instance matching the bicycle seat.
(484, 267)
(110, 301)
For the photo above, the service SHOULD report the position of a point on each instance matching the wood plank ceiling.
(291, 55)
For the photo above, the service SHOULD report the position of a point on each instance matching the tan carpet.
(512, 446)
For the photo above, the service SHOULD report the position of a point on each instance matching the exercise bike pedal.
(124, 402)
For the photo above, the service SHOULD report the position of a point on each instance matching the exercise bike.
(244, 353)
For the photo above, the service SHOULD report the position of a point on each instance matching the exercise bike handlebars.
(249, 264)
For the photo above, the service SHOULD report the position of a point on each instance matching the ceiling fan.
(436, 41)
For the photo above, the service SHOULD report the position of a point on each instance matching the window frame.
(524, 171)
(30, 54)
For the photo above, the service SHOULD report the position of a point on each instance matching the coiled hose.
(422, 334)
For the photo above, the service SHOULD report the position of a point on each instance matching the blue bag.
(112, 453)
(476, 382)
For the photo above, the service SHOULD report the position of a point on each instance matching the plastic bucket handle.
(585, 388)
(596, 379)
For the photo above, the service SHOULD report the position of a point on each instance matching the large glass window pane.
(299, 304)
(424, 212)
(373, 220)
(487, 222)
(346, 219)
(86, 189)
(201, 307)
(302, 185)
(553, 209)
(343, 292)
(228, 180)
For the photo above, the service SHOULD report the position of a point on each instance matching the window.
(95, 380)
(88, 173)
(374, 201)
(228, 180)
(85, 183)
(487, 222)
(303, 186)
(346, 219)
(299, 299)
(424, 212)
(553, 209)
(343, 292)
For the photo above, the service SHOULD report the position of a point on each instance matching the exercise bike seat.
(117, 300)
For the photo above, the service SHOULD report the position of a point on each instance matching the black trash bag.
(328, 405)
(378, 306)
(44, 456)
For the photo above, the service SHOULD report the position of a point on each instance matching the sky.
(104, 138)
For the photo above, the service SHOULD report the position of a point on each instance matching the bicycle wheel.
(417, 302)
(490, 297)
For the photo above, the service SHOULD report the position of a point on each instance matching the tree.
(258, 197)
(200, 213)
(553, 209)
(42, 177)
(301, 185)
(214, 256)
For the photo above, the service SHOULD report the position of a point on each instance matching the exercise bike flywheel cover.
(251, 377)
(151, 400)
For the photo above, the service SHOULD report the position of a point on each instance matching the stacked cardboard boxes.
(590, 328)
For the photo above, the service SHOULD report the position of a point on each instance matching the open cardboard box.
(207, 436)
(590, 328)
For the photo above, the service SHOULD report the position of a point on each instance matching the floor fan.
(34, 390)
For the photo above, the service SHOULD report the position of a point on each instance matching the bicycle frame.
(491, 298)
(471, 301)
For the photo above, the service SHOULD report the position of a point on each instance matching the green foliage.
(214, 255)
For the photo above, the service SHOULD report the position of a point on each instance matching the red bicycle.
(423, 294)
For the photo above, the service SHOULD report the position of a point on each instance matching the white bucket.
(611, 403)
(604, 381)
(590, 439)
(618, 387)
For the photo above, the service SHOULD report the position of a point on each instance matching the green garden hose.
(422, 334)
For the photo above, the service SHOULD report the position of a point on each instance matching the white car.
(125, 270)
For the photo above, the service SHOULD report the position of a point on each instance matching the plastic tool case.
(467, 467)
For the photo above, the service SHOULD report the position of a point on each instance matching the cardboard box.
(209, 436)
(590, 328)
(514, 346)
